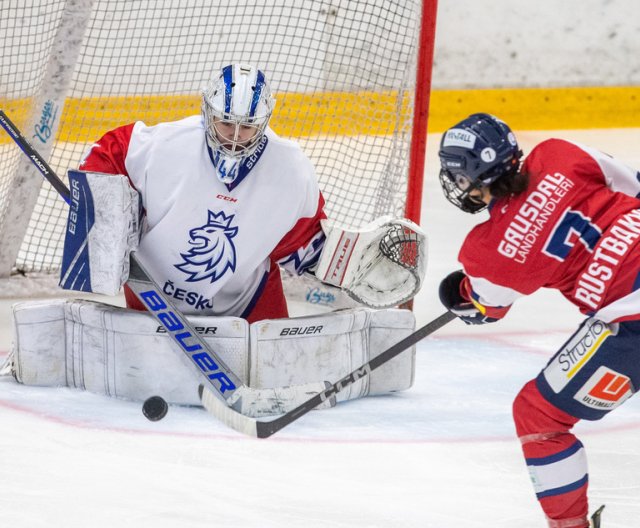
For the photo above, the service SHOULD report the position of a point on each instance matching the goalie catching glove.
(380, 265)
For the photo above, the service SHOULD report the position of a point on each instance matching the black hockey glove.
(453, 300)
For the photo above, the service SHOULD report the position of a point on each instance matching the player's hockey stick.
(214, 371)
(264, 429)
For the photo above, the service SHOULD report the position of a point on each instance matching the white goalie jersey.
(214, 248)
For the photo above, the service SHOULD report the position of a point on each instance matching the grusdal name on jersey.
(527, 225)
(575, 354)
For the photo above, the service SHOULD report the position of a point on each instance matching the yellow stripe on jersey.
(589, 354)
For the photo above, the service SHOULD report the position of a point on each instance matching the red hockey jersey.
(575, 229)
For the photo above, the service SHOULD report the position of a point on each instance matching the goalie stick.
(264, 429)
(226, 385)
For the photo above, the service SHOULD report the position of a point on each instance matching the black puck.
(155, 408)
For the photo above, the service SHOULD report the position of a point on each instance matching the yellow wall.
(365, 113)
(541, 108)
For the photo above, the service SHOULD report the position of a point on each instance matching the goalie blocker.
(126, 354)
(102, 230)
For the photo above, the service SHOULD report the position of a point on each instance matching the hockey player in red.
(567, 217)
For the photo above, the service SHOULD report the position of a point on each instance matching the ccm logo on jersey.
(301, 330)
(605, 389)
(226, 198)
(183, 336)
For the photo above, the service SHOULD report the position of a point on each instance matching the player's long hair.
(511, 184)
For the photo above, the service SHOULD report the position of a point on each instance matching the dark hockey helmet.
(474, 153)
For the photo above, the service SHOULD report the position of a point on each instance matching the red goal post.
(351, 80)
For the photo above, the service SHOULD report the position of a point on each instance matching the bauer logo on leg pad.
(202, 330)
(300, 330)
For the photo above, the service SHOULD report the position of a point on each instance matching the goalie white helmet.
(236, 108)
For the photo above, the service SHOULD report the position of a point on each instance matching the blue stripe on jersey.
(307, 257)
(563, 489)
(543, 461)
(636, 283)
(227, 76)
(257, 92)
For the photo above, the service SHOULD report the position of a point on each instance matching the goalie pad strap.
(118, 352)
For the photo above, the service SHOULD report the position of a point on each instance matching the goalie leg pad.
(117, 352)
(327, 347)
(113, 351)
(38, 347)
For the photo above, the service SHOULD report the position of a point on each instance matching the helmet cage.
(236, 108)
(457, 189)
(224, 132)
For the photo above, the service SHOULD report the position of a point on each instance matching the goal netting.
(343, 72)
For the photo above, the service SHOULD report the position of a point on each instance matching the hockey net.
(343, 72)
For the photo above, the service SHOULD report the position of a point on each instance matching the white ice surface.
(442, 455)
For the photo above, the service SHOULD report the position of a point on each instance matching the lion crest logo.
(212, 250)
